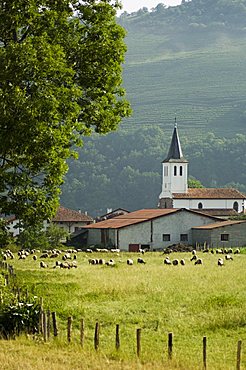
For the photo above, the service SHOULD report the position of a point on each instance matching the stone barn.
(221, 234)
(148, 228)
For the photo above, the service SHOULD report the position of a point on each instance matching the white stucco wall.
(134, 234)
(208, 203)
(173, 184)
(173, 224)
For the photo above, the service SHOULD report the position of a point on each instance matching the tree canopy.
(60, 80)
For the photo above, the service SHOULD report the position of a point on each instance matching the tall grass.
(190, 301)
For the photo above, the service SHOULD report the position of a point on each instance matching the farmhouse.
(148, 228)
(221, 234)
(176, 194)
(65, 218)
(71, 220)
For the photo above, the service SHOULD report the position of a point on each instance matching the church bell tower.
(174, 172)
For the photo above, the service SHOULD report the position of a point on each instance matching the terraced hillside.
(197, 73)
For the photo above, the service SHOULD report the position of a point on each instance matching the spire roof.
(175, 152)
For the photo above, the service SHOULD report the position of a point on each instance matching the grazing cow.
(129, 261)
(182, 262)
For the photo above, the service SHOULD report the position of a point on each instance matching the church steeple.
(175, 151)
(175, 172)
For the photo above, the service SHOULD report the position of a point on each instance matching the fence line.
(96, 339)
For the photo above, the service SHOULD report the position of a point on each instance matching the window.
(184, 237)
(175, 170)
(166, 237)
(166, 171)
(200, 206)
(181, 171)
(235, 206)
(224, 237)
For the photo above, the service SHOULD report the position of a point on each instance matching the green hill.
(187, 61)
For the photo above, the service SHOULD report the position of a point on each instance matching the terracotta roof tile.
(219, 224)
(68, 215)
(210, 193)
(136, 217)
(218, 211)
(131, 218)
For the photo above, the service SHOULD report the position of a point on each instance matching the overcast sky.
(133, 5)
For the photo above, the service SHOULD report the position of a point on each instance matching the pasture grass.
(189, 301)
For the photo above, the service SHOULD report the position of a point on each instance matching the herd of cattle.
(67, 259)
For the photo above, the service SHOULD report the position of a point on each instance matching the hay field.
(189, 301)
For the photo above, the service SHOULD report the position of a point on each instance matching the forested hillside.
(187, 61)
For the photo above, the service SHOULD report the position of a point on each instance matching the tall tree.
(60, 79)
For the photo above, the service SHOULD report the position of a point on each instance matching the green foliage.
(17, 317)
(55, 234)
(194, 183)
(5, 237)
(33, 237)
(18, 313)
(60, 78)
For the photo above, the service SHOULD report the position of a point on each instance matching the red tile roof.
(68, 215)
(136, 217)
(219, 224)
(218, 211)
(210, 193)
(131, 218)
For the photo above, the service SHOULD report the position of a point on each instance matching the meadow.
(189, 301)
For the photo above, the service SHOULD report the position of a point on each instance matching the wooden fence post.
(44, 324)
(117, 337)
(239, 348)
(138, 342)
(55, 330)
(40, 313)
(170, 346)
(48, 324)
(69, 328)
(204, 353)
(82, 332)
(96, 336)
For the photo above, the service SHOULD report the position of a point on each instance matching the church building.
(220, 202)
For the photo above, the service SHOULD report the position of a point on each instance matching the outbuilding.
(221, 234)
(148, 228)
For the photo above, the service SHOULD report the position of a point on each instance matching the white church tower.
(175, 172)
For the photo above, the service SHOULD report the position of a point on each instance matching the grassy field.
(189, 301)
